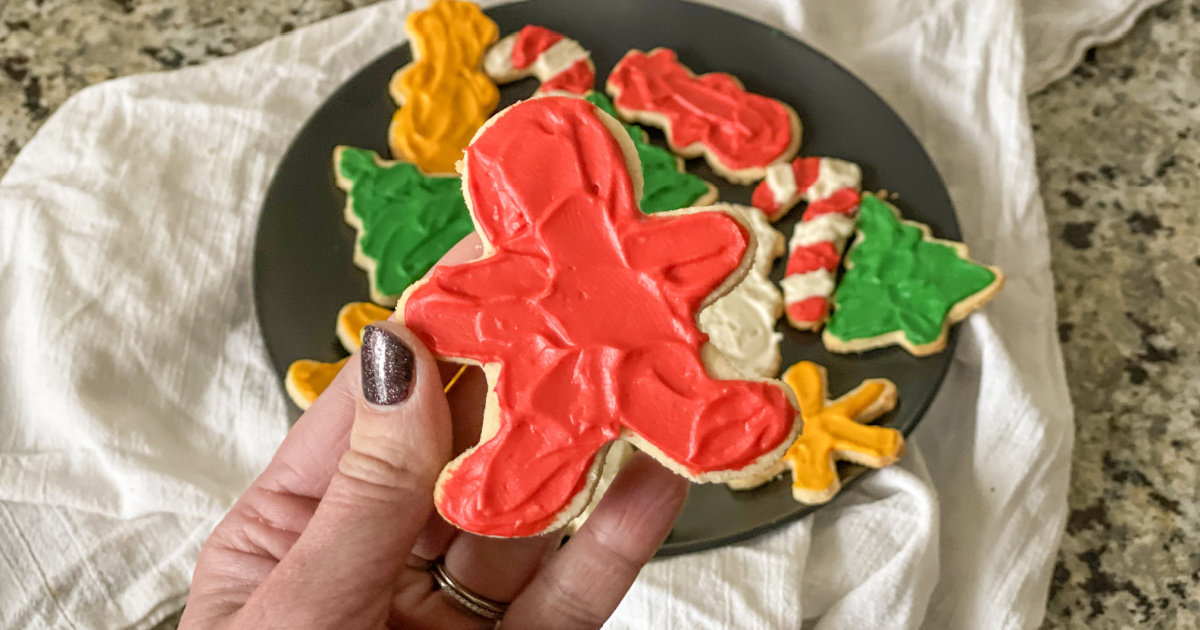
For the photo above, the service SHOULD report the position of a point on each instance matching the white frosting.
(497, 63)
(557, 58)
(742, 323)
(832, 227)
(834, 175)
(781, 180)
(801, 286)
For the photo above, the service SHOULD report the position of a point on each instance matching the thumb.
(343, 567)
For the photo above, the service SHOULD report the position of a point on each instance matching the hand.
(339, 531)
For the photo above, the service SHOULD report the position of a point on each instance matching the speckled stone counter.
(1119, 157)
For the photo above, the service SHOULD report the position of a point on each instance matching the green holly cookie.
(902, 286)
(406, 220)
(667, 186)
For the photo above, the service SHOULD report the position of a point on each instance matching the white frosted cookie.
(614, 460)
(742, 323)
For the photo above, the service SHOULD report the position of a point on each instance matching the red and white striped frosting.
(832, 189)
(558, 62)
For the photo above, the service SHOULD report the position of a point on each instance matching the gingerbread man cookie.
(738, 132)
(558, 62)
(583, 315)
(833, 431)
(902, 286)
(443, 95)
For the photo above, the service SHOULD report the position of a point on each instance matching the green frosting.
(408, 220)
(897, 280)
(666, 187)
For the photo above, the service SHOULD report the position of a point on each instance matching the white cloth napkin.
(136, 401)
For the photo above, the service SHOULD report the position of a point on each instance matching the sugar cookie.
(406, 220)
(902, 286)
(666, 185)
(353, 318)
(583, 316)
(443, 94)
(306, 379)
(742, 323)
(558, 62)
(831, 189)
(616, 458)
(833, 431)
(738, 132)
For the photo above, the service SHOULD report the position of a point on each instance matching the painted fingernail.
(388, 367)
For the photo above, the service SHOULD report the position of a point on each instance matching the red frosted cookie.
(740, 133)
(582, 313)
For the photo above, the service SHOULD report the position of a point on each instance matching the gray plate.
(303, 269)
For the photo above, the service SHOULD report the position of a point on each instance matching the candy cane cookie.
(739, 133)
(831, 188)
(558, 62)
(443, 95)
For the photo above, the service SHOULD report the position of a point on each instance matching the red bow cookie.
(583, 314)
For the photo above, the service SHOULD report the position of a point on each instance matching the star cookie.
(833, 430)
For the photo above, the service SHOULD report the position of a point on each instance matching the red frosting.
(741, 130)
(531, 42)
(806, 171)
(812, 309)
(763, 198)
(843, 200)
(812, 257)
(578, 79)
(589, 308)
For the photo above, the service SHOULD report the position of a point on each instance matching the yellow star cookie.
(833, 431)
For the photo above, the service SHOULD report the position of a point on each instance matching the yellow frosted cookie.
(353, 318)
(444, 95)
(833, 430)
(306, 380)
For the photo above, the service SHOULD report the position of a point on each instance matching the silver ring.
(488, 609)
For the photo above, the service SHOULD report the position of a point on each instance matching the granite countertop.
(1118, 146)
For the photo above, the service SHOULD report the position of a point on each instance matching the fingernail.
(388, 367)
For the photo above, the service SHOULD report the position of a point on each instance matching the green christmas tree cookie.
(667, 186)
(902, 286)
(406, 220)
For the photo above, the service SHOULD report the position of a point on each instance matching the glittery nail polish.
(388, 367)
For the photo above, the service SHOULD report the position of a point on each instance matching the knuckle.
(378, 477)
(572, 606)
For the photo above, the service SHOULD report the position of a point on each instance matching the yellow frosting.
(834, 428)
(356, 316)
(444, 95)
(307, 379)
